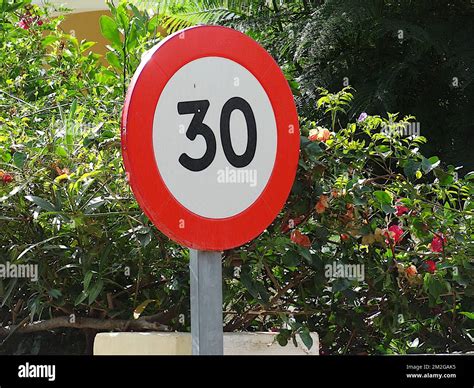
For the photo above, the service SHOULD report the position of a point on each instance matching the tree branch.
(143, 323)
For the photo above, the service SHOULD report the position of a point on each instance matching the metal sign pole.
(206, 302)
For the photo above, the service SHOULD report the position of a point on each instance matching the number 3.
(199, 108)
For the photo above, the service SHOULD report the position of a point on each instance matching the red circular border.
(168, 215)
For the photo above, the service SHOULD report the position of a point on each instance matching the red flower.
(430, 266)
(6, 178)
(25, 23)
(39, 22)
(393, 234)
(344, 237)
(401, 210)
(299, 238)
(438, 242)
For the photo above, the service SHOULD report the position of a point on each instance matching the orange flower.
(411, 271)
(61, 171)
(324, 134)
(313, 134)
(319, 134)
(322, 204)
(299, 238)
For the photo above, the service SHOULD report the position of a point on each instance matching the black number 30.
(199, 108)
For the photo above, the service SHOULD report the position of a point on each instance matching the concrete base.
(180, 344)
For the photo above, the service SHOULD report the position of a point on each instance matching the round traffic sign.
(210, 137)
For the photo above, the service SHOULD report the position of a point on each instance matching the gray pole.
(206, 302)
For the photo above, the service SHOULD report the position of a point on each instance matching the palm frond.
(178, 14)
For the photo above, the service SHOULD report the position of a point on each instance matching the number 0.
(197, 127)
(237, 103)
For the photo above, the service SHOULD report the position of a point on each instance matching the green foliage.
(400, 56)
(69, 209)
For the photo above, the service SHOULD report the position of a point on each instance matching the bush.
(364, 195)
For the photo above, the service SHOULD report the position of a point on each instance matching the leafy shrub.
(364, 194)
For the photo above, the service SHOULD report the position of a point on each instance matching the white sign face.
(214, 137)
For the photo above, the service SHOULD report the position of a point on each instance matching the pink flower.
(438, 242)
(24, 23)
(401, 210)
(393, 234)
(430, 266)
(39, 22)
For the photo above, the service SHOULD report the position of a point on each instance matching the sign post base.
(206, 302)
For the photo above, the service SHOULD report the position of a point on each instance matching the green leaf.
(72, 110)
(388, 209)
(444, 178)
(54, 293)
(87, 279)
(19, 159)
(410, 168)
(290, 259)
(109, 30)
(80, 298)
(95, 290)
(256, 289)
(383, 197)
(467, 314)
(426, 165)
(321, 233)
(435, 288)
(49, 39)
(153, 24)
(113, 60)
(305, 336)
(306, 254)
(42, 203)
(87, 45)
(314, 151)
(247, 282)
(122, 17)
(60, 151)
(7, 157)
(434, 161)
(132, 39)
(11, 287)
(283, 336)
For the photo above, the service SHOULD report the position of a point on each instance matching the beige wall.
(86, 26)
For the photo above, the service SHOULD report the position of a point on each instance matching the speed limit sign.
(210, 137)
